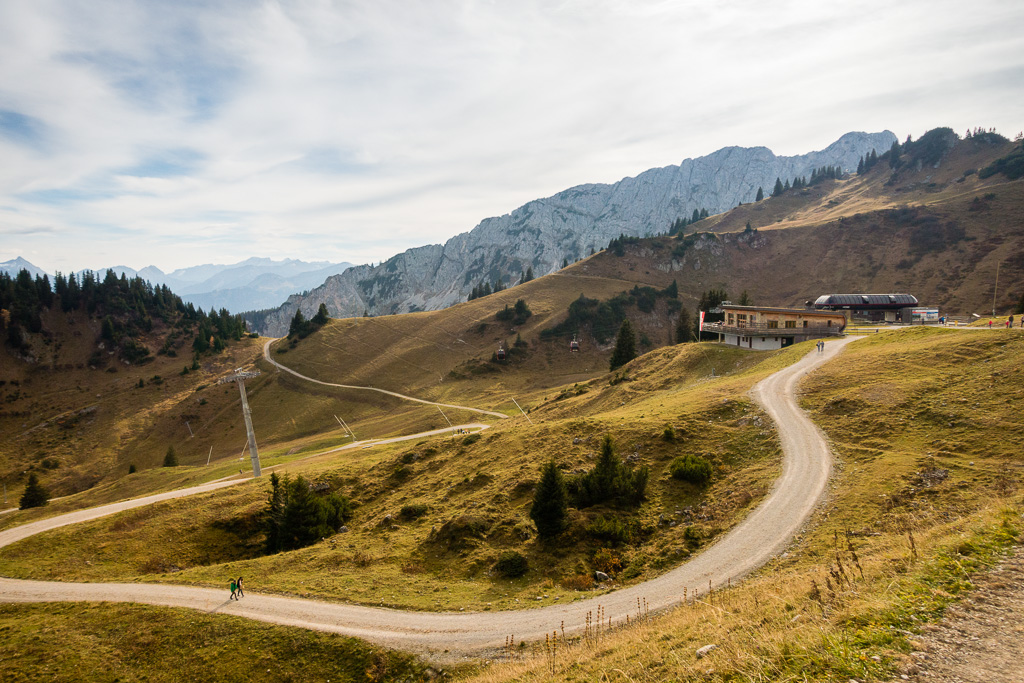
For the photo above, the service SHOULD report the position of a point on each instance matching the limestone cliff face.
(568, 225)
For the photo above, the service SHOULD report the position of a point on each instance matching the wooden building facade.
(765, 329)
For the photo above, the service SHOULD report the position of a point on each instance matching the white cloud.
(353, 130)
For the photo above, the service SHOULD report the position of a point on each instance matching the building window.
(829, 324)
(742, 317)
(773, 324)
(805, 323)
(790, 324)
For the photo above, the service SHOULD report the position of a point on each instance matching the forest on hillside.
(126, 309)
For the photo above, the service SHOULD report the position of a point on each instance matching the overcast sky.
(180, 133)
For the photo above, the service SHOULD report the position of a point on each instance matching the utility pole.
(996, 289)
(345, 427)
(446, 419)
(521, 409)
(239, 377)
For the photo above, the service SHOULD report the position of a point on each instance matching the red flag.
(702, 321)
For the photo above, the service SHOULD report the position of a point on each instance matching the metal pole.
(345, 425)
(253, 453)
(996, 289)
(190, 434)
(521, 409)
(209, 456)
(446, 418)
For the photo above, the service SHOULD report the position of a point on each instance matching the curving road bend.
(283, 368)
(763, 534)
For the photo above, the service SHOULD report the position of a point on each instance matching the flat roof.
(866, 300)
(769, 309)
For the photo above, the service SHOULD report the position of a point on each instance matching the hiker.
(234, 588)
(239, 592)
(990, 324)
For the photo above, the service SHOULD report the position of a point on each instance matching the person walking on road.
(234, 589)
(238, 593)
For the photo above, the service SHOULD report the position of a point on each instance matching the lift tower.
(240, 376)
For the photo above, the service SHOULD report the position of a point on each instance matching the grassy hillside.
(927, 490)
(935, 230)
(431, 519)
(90, 643)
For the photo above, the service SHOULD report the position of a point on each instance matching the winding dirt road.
(283, 368)
(764, 533)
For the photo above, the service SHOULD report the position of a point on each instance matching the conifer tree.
(298, 324)
(170, 458)
(625, 346)
(550, 509)
(760, 194)
(684, 328)
(779, 189)
(321, 316)
(35, 495)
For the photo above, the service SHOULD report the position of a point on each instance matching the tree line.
(126, 308)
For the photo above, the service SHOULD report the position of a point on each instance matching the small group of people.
(236, 589)
(1009, 323)
(821, 346)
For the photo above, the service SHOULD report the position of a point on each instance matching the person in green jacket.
(234, 588)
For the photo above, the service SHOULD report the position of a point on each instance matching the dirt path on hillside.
(981, 638)
(764, 533)
(266, 356)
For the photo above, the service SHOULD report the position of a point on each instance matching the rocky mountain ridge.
(544, 233)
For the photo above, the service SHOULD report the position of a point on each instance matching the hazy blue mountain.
(255, 283)
(16, 265)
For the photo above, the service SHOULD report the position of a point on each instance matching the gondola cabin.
(500, 355)
(574, 345)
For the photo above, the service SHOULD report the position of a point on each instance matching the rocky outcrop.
(569, 225)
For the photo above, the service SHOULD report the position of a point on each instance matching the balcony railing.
(763, 330)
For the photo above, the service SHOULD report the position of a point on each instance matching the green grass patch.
(103, 643)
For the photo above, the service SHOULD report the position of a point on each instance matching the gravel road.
(267, 357)
(765, 532)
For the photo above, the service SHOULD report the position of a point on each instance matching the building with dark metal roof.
(875, 307)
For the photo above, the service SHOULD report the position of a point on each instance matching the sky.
(201, 131)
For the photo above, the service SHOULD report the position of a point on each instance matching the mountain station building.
(767, 329)
(890, 308)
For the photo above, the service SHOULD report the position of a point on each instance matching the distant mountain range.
(256, 283)
(544, 233)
